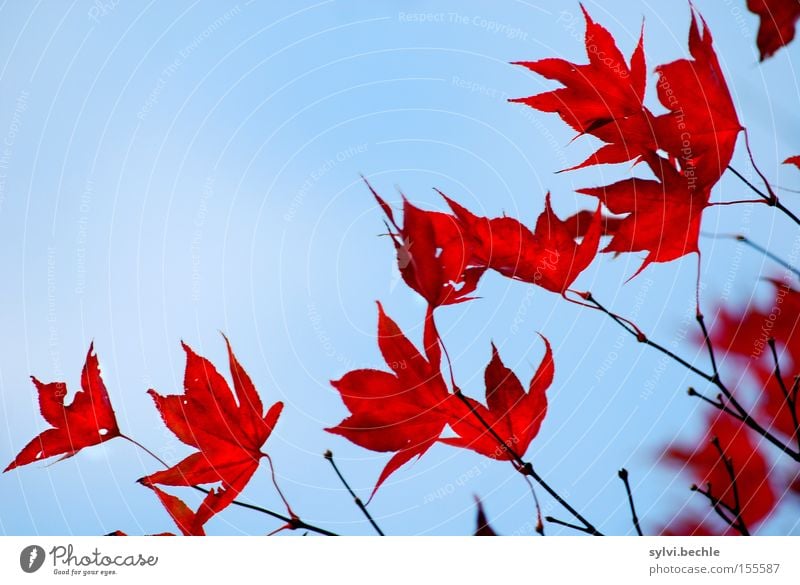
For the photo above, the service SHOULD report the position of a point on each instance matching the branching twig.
(623, 475)
(735, 409)
(721, 508)
(737, 503)
(553, 520)
(526, 468)
(789, 396)
(771, 199)
(329, 457)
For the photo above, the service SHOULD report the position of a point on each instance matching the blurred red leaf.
(776, 28)
(752, 471)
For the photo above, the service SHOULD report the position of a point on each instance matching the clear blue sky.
(179, 169)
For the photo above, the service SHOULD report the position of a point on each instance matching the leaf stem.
(772, 199)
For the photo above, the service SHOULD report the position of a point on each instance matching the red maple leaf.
(402, 411)
(88, 420)
(662, 218)
(549, 256)
(752, 471)
(602, 98)
(185, 519)
(432, 254)
(776, 28)
(701, 127)
(514, 415)
(228, 431)
(687, 149)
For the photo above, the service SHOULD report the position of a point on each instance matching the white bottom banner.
(370, 560)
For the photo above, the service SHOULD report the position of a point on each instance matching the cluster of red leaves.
(744, 334)
(443, 255)
(405, 411)
(228, 430)
(742, 337)
(778, 19)
(687, 149)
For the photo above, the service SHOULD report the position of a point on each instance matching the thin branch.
(329, 458)
(772, 199)
(737, 503)
(553, 520)
(737, 410)
(757, 247)
(709, 346)
(647, 341)
(623, 475)
(790, 396)
(293, 523)
(721, 508)
(524, 467)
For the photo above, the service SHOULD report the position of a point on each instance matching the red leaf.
(548, 257)
(701, 127)
(228, 430)
(752, 470)
(579, 223)
(88, 420)
(401, 411)
(793, 160)
(513, 414)
(777, 24)
(663, 217)
(687, 148)
(432, 254)
(184, 518)
(602, 98)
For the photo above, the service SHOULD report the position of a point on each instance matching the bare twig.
(623, 475)
(329, 457)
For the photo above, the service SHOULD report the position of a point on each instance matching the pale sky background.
(179, 169)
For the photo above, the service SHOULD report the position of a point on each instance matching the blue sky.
(174, 170)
